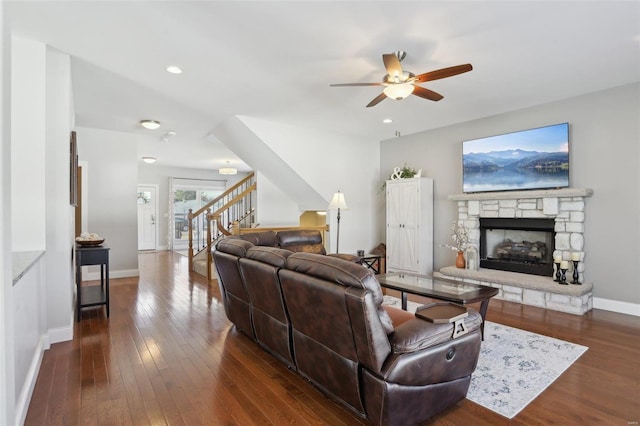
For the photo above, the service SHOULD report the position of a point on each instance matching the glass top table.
(438, 288)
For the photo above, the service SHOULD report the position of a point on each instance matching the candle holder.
(563, 276)
(575, 272)
(557, 280)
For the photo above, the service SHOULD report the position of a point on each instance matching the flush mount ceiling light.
(150, 124)
(228, 170)
(173, 69)
(149, 160)
(387, 121)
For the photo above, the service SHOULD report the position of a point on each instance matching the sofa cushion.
(264, 238)
(271, 255)
(234, 246)
(344, 273)
(301, 240)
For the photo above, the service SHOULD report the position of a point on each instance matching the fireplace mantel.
(510, 195)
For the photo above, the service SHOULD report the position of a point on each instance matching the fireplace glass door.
(517, 245)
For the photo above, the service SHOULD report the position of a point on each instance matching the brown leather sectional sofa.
(295, 240)
(323, 317)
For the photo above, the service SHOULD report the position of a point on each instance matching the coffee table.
(440, 289)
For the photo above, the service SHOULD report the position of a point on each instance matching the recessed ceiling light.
(387, 121)
(150, 124)
(173, 69)
(149, 160)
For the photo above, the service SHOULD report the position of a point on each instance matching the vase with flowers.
(460, 237)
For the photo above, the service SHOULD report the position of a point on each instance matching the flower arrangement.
(460, 237)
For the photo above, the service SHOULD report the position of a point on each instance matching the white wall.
(329, 162)
(7, 370)
(604, 156)
(37, 308)
(28, 135)
(275, 208)
(60, 215)
(112, 163)
(30, 341)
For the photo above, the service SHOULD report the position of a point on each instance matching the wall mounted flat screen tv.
(528, 159)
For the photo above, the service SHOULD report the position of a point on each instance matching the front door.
(147, 217)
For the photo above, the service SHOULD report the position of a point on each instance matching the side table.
(93, 295)
(375, 262)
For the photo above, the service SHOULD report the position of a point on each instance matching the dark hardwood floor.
(168, 355)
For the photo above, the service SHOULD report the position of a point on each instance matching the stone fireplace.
(526, 230)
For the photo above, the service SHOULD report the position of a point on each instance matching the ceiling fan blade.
(392, 64)
(444, 73)
(427, 94)
(355, 84)
(376, 100)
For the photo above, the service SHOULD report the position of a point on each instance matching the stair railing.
(236, 204)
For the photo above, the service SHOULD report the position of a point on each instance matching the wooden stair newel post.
(208, 245)
(190, 254)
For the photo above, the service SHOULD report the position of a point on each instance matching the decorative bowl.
(90, 243)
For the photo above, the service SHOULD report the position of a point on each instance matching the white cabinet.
(410, 225)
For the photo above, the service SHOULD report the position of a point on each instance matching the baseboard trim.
(617, 306)
(22, 405)
(60, 334)
(123, 273)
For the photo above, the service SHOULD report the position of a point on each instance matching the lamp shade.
(338, 202)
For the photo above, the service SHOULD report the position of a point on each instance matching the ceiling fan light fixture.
(398, 91)
(150, 124)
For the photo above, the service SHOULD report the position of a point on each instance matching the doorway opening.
(190, 194)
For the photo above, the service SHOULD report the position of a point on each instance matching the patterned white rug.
(515, 366)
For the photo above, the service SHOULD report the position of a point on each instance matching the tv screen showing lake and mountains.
(529, 159)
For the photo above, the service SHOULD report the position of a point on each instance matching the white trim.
(123, 273)
(22, 404)
(617, 306)
(60, 334)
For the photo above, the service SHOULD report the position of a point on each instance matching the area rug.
(515, 366)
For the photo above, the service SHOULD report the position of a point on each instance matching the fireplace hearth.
(517, 245)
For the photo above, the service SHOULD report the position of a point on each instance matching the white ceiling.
(275, 61)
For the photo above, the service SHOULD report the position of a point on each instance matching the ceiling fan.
(398, 84)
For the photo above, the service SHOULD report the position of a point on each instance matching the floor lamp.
(338, 202)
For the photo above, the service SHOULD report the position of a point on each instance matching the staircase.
(233, 209)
